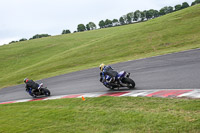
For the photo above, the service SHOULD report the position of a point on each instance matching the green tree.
(151, 13)
(102, 24)
(130, 17)
(156, 13)
(178, 7)
(137, 15)
(129, 21)
(63, 32)
(115, 22)
(143, 15)
(23, 39)
(108, 23)
(39, 36)
(121, 20)
(66, 31)
(184, 5)
(195, 2)
(81, 27)
(162, 11)
(92, 25)
(87, 27)
(13, 42)
(166, 10)
(170, 9)
(148, 14)
(125, 19)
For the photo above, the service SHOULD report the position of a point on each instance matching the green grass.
(103, 114)
(51, 56)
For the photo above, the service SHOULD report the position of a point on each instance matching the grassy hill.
(51, 56)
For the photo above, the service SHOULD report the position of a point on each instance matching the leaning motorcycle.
(122, 79)
(39, 92)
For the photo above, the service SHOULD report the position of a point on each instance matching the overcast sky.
(26, 18)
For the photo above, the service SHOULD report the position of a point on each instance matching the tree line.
(34, 37)
(129, 18)
(132, 17)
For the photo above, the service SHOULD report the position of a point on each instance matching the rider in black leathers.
(31, 86)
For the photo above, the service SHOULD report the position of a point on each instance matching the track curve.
(172, 71)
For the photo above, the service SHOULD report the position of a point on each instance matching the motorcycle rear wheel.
(130, 82)
(46, 92)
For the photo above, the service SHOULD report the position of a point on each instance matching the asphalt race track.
(173, 71)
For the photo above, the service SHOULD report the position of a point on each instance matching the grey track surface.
(172, 71)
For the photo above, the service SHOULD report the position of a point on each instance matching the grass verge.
(103, 114)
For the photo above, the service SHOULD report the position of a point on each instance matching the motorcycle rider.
(31, 86)
(107, 70)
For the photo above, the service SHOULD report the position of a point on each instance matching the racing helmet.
(101, 66)
(26, 80)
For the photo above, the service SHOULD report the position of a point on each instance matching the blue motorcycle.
(122, 79)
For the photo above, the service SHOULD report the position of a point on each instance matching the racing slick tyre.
(46, 92)
(130, 82)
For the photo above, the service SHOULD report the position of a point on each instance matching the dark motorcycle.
(40, 91)
(122, 79)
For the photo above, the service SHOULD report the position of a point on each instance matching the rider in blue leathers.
(107, 70)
